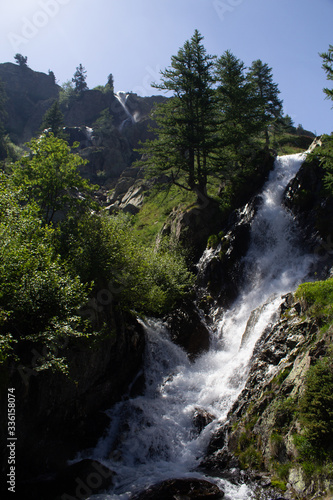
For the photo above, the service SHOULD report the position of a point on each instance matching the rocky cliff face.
(29, 94)
(59, 415)
(108, 151)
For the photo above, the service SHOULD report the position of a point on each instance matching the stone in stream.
(189, 488)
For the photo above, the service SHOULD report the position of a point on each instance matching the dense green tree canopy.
(209, 124)
(49, 176)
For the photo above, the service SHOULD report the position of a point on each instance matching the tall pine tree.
(239, 120)
(186, 122)
(79, 79)
(267, 92)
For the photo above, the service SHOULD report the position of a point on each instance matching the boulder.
(80, 480)
(188, 330)
(181, 488)
(202, 418)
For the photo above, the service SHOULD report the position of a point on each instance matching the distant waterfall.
(153, 437)
(122, 98)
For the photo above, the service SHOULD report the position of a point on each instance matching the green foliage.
(49, 176)
(237, 103)
(103, 126)
(277, 483)
(79, 80)
(282, 470)
(204, 133)
(327, 58)
(316, 408)
(269, 105)
(213, 241)
(318, 297)
(324, 154)
(53, 120)
(36, 287)
(67, 95)
(186, 122)
(103, 249)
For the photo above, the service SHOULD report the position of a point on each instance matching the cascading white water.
(122, 98)
(152, 437)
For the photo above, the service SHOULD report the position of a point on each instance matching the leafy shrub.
(102, 249)
(316, 409)
(35, 285)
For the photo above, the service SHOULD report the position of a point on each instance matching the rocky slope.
(265, 434)
(259, 435)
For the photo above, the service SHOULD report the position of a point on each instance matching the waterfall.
(122, 98)
(153, 437)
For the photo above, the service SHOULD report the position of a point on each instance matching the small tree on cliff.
(21, 60)
(186, 122)
(79, 79)
(53, 120)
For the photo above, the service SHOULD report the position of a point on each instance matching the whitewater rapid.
(152, 437)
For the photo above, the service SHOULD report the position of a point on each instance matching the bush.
(102, 249)
(316, 409)
(35, 285)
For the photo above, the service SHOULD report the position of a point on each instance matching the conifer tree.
(237, 104)
(21, 60)
(79, 79)
(186, 122)
(53, 120)
(261, 78)
(327, 65)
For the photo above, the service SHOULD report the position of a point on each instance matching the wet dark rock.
(80, 481)
(188, 330)
(306, 198)
(57, 416)
(201, 419)
(224, 273)
(181, 488)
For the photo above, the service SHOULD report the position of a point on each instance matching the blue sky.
(135, 39)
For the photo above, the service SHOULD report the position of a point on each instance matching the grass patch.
(157, 208)
(318, 298)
